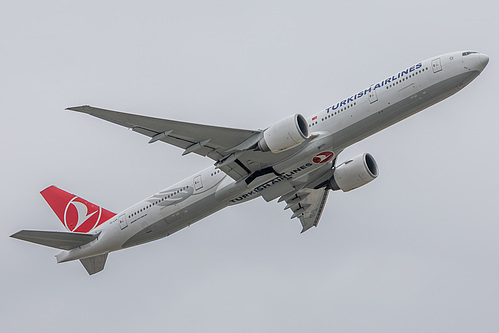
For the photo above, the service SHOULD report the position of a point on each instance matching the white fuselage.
(335, 128)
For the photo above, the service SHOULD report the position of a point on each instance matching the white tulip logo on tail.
(78, 213)
(75, 213)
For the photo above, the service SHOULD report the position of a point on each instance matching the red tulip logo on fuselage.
(323, 157)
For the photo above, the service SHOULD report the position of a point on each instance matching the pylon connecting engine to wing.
(354, 173)
(285, 134)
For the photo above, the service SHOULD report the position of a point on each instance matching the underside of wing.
(205, 140)
(307, 205)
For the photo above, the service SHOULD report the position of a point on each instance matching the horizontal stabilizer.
(94, 264)
(58, 239)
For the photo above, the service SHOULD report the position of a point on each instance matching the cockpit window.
(468, 53)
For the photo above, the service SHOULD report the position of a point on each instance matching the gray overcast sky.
(414, 251)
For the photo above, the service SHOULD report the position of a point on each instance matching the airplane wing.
(231, 148)
(222, 144)
(205, 140)
(307, 205)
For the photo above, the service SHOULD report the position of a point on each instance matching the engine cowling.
(354, 173)
(285, 134)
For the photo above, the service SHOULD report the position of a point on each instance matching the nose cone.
(484, 60)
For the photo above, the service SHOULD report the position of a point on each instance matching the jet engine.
(354, 173)
(285, 134)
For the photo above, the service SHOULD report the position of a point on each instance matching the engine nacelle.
(354, 173)
(285, 134)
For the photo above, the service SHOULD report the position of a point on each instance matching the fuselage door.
(122, 221)
(436, 65)
(373, 97)
(198, 184)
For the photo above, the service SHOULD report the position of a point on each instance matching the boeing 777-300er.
(294, 160)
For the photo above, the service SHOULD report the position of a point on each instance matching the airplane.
(294, 160)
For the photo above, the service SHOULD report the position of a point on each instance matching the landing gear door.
(122, 221)
(198, 184)
(436, 65)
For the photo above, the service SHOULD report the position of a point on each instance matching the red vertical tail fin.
(75, 213)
